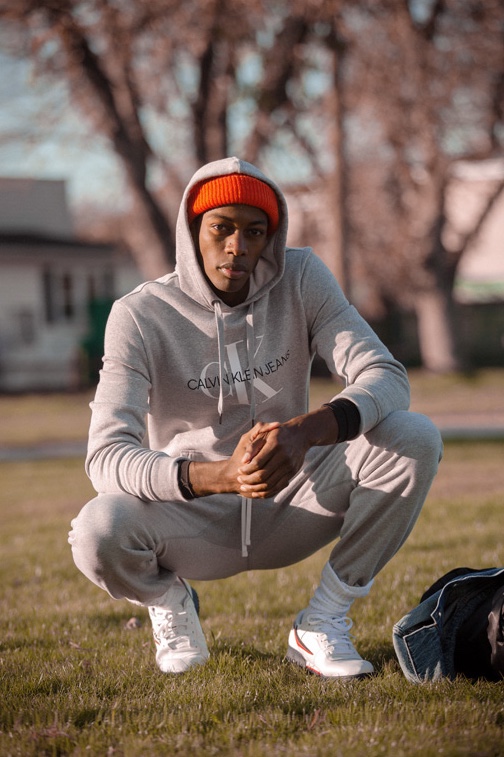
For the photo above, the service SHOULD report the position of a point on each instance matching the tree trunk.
(336, 183)
(210, 107)
(151, 248)
(272, 93)
(435, 332)
(151, 237)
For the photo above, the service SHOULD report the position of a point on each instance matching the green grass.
(76, 680)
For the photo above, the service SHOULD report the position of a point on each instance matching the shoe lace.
(334, 631)
(173, 625)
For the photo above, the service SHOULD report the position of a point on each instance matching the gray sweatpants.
(368, 492)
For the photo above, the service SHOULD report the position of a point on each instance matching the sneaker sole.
(297, 658)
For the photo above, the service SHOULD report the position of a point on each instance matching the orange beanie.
(233, 189)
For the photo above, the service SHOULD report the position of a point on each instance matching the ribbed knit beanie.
(233, 189)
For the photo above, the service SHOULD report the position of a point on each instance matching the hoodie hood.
(270, 267)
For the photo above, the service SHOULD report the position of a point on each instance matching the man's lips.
(233, 271)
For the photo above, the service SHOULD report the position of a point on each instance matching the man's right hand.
(223, 476)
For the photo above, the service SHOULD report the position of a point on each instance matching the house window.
(100, 286)
(59, 296)
(68, 299)
(48, 287)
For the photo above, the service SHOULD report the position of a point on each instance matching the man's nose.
(237, 244)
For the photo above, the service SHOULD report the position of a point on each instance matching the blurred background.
(382, 120)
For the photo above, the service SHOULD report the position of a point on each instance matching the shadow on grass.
(113, 621)
(382, 656)
(243, 652)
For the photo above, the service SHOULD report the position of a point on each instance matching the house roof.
(26, 246)
(34, 205)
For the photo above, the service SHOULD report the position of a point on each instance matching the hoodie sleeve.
(373, 379)
(118, 458)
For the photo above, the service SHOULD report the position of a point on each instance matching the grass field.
(76, 678)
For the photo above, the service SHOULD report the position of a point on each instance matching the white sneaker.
(177, 630)
(322, 645)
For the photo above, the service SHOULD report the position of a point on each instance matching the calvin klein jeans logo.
(235, 377)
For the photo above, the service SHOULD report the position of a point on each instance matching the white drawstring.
(246, 524)
(250, 359)
(219, 322)
(246, 502)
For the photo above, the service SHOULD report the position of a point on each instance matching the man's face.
(230, 241)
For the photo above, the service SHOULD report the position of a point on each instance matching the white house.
(49, 283)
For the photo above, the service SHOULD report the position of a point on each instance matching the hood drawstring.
(246, 504)
(246, 524)
(246, 501)
(250, 359)
(219, 323)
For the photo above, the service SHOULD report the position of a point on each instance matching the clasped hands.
(270, 454)
(266, 458)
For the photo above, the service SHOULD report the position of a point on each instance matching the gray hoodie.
(184, 375)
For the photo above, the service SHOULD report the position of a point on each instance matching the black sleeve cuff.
(183, 480)
(348, 418)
